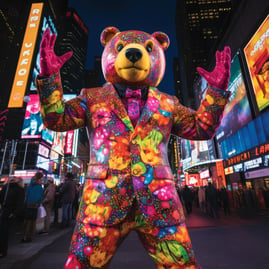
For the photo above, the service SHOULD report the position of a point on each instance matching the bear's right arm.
(58, 115)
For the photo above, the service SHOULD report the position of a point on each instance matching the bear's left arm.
(203, 123)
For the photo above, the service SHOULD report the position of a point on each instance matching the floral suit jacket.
(129, 163)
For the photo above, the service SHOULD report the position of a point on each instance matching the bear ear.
(107, 34)
(162, 38)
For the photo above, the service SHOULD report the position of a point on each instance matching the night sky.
(145, 15)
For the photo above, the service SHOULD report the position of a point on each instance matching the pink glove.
(219, 77)
(49, 62)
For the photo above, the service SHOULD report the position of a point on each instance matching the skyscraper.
(199, 24)
(73, 36)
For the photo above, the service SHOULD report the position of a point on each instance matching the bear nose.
(133, 54)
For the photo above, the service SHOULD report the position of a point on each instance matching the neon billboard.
(26, 55)
(257, 58)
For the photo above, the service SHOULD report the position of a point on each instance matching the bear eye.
(119, 47)
(149, 48)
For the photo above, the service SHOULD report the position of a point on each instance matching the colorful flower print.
(120, 156)
(97, 214)
(157, 184)
(100, 137)
(148, 176)
(149, 148)
(162, 120)
(165, 193)
(182, 235)
(99, 258)
(138, 169)
(118, 163)
(94, 231)
(111, 182)
(152, 103)
(168, 251)
(72, 263)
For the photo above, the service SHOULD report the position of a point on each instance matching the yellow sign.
(26, 55)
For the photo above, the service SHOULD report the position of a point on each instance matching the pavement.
(21, 255)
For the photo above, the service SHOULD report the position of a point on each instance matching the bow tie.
(133, 93)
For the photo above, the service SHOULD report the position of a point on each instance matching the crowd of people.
(20, 205)
(243, 201)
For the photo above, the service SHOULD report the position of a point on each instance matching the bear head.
(133, 58)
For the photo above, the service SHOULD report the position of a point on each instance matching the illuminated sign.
(257, 57)
(33, 123)
(228, 170)
(43, 151)
(25, 59)
(24, 173)
(42, 163)
(69, 142)
(204, 174)
(247, 155)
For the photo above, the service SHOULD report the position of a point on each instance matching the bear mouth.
(130, 67)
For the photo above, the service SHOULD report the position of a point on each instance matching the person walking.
(225, 201)
(19, 218)
(212, 200)
(201, 197)
(57, 204)
(187, 198)
(68, 192)
(34, 195)
(11, 199)
(48, 202)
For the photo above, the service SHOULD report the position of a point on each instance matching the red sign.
(69, 142)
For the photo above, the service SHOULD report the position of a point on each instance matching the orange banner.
(26, 56)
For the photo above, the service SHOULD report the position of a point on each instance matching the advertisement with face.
(257, 58)
(32, 124)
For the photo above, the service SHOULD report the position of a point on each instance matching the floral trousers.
(93, 246)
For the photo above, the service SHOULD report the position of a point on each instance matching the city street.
(226, 243)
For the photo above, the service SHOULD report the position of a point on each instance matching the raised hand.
(219, 77)
(50, 63)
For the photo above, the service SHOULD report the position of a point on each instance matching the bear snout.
(133, 54)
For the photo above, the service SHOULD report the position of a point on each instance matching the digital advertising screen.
(257, 59)
(33, 123)
(237, 112)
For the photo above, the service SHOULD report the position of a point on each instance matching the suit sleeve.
(203, 123)
(58, 115)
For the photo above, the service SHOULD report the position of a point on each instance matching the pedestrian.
(225, 201)
(34, 195)
(212, 200)
(19, 218)
(76, 202)
(57, 204)
(68, 192)
(48, 202)
(11, 199)
(187, 196)
(201, 197)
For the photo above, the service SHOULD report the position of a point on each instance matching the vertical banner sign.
(69, 142)
(25, 59)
